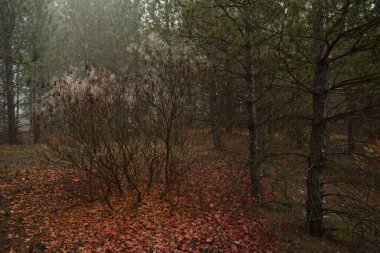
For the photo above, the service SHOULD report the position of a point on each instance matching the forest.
(189, 126)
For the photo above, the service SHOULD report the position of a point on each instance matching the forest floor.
(47, 209)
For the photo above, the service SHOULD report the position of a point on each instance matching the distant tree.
(9, 19)
(23, 32)
(99, 33)
(233, 32)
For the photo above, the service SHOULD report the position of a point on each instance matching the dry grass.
(18, 157)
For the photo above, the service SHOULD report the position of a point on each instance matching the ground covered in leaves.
(48, 210)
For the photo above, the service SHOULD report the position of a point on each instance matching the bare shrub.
(129, 133)
(166, 97)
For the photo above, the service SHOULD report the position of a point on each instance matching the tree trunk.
(228, 97)
(214, 115)
(8, 69)
(298, 129)
(35, 124)
(317, 165)
(318, 135)
(2, 116)
(260, 128)
(350, 123)
(255, 171)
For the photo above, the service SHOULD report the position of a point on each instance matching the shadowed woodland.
(189, 126)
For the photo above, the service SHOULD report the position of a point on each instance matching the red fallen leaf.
(68, 225)
(160, 246)
(188, 249)
(209, 239)
(130, 243)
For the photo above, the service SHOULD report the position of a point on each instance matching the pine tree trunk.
(35, 124)
(214, 115)
(298, 131)
(318, 134)
(255, 171)
(9, 82)
(317, 166)
(36, 129)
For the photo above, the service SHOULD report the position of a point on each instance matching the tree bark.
(228, 96)
(255, 171)
(35, 119)
(214, 115)
(351, 123)
(8, 69)
(318, 134)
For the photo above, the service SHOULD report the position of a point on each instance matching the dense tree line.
(306, 69)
